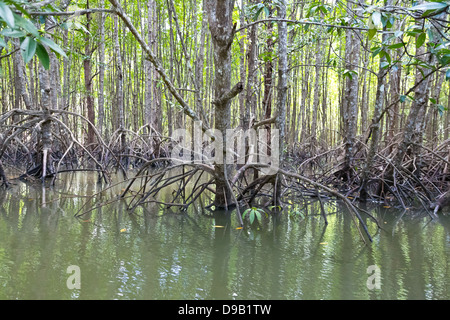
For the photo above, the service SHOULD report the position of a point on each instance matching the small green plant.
(252, 214)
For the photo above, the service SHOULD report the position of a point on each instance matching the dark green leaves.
(257, 9)
(26, 25)
(53, 46)
(42, 54)
(28, 49)
(252, 214)
(7, 15)
(31, 46)
(421, 40)
(396, 45)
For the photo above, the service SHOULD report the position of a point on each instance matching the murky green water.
(156, 254)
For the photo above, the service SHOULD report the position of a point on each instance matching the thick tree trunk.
(222, 32)
(45, 166)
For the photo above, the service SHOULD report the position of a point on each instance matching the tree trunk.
(45, 143)
(250, 97)
(101, 71)
(375, 127)
(88, 81)
(316, 101)
(3, 177)
(222, 31)
(350, 101)
(119, 88)
(148, 109)
(447, 118)
(282, 90)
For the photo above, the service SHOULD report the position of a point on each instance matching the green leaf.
(376, 18)
(261, 7)
(27, 25)
(53, 46)
(441, 109)
(7, 15)
(252, 216)
(447, 75)
(445, 59)
(398, 33)
(42, 54)
(421, 40)
(2, 43)
(429, 6)
(396, 45)
(28, 49)
(384, 64)
(385, 54)
(372, 33)
(19, 7)
(13, 33)
(376, 51)
(323, 9)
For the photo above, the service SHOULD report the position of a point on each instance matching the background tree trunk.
(350, 102)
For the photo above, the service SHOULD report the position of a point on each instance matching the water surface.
(157, 253)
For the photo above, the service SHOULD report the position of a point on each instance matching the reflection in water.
(158, 253)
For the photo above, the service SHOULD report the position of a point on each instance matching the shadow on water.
(158, 253)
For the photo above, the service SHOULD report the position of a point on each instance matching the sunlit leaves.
(372, 33)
